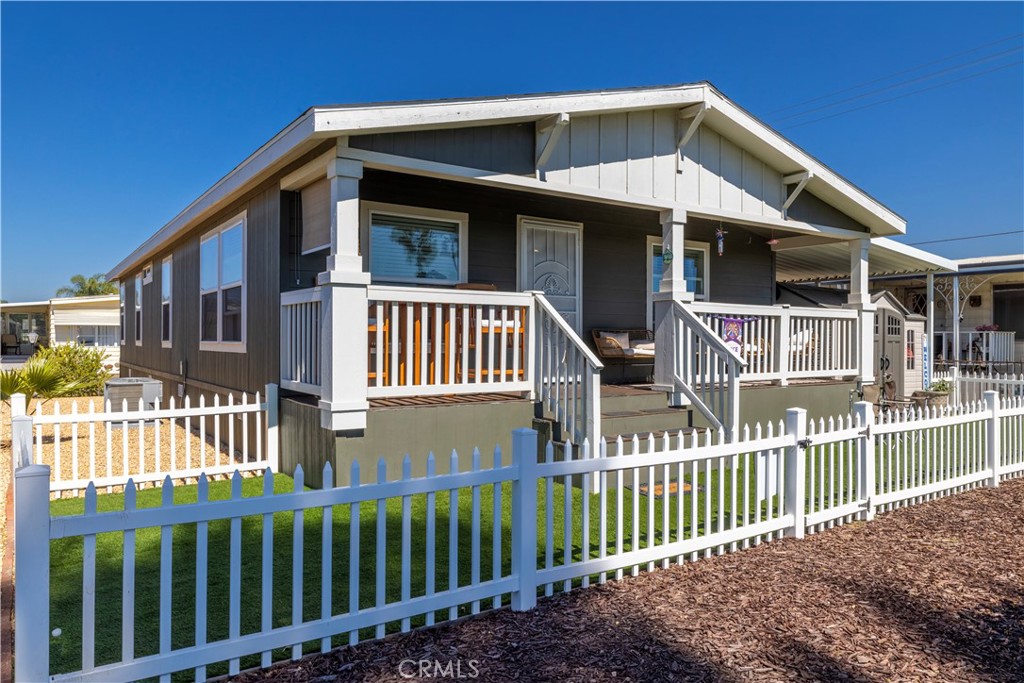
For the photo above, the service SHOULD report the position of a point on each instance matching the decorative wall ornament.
(720, 236)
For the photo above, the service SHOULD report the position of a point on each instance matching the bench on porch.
(624, 348)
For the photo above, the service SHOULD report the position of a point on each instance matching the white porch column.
(956, 321)
(343, 402)
(860, 299)
(929, 333)
(672, 288)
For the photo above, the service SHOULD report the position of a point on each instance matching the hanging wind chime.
(720, 236)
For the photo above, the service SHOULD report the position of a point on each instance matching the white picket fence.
(147, 443)
(971, 386)
(658, 501)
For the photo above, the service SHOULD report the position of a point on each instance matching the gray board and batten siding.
(249, 371)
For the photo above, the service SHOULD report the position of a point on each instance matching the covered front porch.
(431, 282)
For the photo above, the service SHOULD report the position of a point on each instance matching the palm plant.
(39, 379)
(92, 285)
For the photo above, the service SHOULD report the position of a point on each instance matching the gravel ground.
(929, 593)
(188, 448)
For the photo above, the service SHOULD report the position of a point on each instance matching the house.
(429, 275)
(86, 320)
(990, 298)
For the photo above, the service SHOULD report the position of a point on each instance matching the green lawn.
(66, 561)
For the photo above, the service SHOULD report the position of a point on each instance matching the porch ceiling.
(831, 261)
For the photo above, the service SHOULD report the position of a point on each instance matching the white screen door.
(550, 261)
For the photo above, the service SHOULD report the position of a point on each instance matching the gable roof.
(320, 123)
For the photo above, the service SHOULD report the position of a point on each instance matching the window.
(138, 309)
(222, 288)
(695, 270)
(415, 245)
(147, 273)
(1007, 304)
(86, 335)
(911, 356)
(165, 302)
(122, 288)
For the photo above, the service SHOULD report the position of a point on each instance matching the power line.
(970, 237)
(900, 84)
(901, 96)
(893, 75)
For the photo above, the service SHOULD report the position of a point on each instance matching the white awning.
(831, 261)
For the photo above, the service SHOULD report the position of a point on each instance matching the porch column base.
(666, 344)
(343, 400)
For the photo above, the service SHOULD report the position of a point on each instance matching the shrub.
(942, 385)
(82, 367)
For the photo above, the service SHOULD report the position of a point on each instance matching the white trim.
(552, 224)
(366, 211)
(656, 240)
(218, 344)
(169, 262)
(319, 123)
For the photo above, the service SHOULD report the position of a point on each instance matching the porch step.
(644, 421)
(618, 398)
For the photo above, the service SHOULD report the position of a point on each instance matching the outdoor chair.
(9, 342)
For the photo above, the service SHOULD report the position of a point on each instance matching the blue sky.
(115, 116)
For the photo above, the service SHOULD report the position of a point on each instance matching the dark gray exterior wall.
(508, 148)
(614, 244)
(248, 371)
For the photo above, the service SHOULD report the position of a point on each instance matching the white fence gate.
(147, 443)
(532, 528)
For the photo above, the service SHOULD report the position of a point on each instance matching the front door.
(550, 260)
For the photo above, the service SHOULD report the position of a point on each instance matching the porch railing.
(436, 341)
(301, 352)
(782, 343)
(706, 370)
(991, 346)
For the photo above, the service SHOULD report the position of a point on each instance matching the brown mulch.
(933, 592)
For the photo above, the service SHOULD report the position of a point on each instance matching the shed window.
(165, 301)
(222, 287)
(427, 248)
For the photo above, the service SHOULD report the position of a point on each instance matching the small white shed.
(899, 335)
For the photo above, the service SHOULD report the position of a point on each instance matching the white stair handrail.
(717, 393)
(567, 376)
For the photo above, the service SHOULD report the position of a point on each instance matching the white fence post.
(21, 434)
(864, 413)
(273, 438)
(993, 442)
(796, 469)
(32, 567)
(524, 518)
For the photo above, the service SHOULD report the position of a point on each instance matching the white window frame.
(656, 240)
(167, 273)
(147, 273)
(137, 319)
(225, 346)
(124, 319)
(368, 209)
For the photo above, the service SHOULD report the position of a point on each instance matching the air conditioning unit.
(132, 389)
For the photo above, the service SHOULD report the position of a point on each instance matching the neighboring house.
(428, 275)
(86, 320)
(991, 300)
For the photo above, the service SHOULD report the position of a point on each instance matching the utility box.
(132, 389)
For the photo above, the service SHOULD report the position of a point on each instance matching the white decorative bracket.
(695, 113)
(549, 129)
(801, 179)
